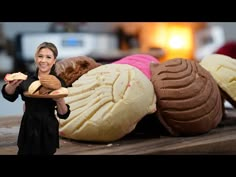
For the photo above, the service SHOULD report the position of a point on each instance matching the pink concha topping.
(140, 61)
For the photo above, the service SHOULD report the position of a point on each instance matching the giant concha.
(70, 69)
(107, 102)
(188, 97)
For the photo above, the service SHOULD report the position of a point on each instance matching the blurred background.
(106, 42)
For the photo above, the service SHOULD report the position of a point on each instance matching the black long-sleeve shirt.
(39, 129)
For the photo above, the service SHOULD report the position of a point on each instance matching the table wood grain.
(221, 140)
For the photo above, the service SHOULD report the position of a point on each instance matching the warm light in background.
(176, 38)
(179, 42)
(179, 38)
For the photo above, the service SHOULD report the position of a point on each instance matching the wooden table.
(221, 140)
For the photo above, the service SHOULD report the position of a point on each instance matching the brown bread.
(71, 69)
(188, 98)
(50, 82)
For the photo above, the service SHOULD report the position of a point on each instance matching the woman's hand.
(61, 105)
(12, 85)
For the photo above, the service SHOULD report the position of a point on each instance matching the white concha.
(34, 86)
(107, 102)
(223, 69)
(59, 91)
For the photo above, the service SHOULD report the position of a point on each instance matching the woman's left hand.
(61, 105)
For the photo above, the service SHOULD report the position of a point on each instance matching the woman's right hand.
(12, 85)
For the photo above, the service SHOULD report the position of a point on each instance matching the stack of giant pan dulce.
(108, 101)
(47, 86)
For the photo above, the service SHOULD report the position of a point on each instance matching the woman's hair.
(48, 45)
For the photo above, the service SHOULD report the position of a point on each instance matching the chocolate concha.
(71, 69)
(44, 91)
(50, 82)
(188, 98)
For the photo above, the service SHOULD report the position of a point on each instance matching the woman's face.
(45, 60)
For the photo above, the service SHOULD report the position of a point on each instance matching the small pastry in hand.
(15, 76)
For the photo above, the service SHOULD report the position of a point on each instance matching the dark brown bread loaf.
(44, 90)
(71, 69)
(188, 98)
(50, 82)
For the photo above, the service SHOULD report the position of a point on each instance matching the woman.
(39, 133)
